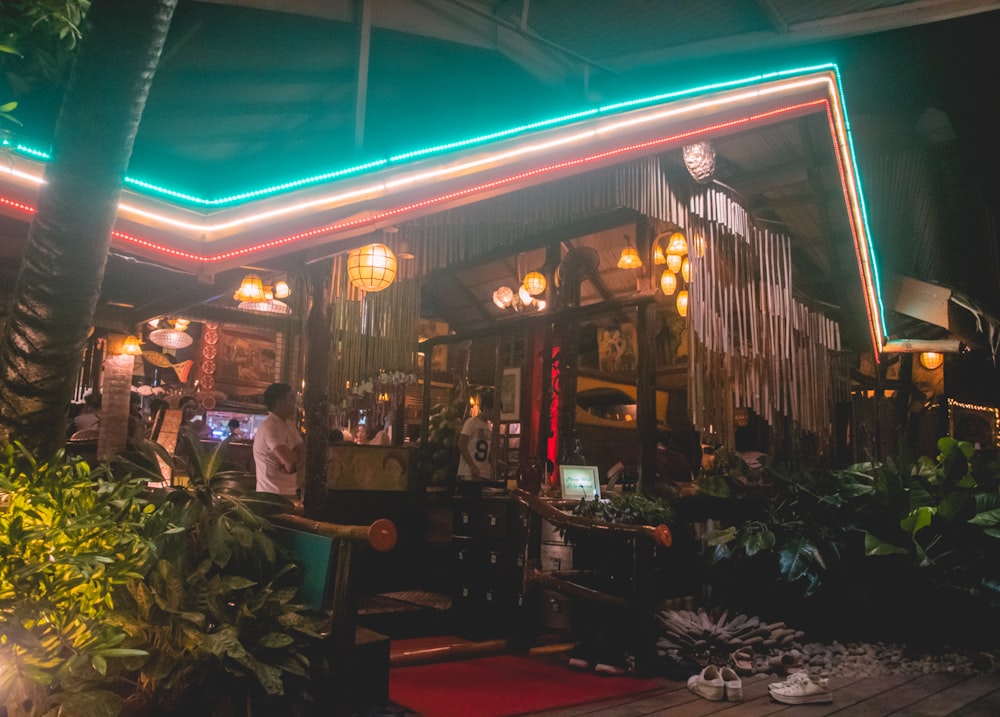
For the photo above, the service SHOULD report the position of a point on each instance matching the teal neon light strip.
(151, 188)
(872, 257)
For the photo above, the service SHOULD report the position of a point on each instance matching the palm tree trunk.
(59, 281)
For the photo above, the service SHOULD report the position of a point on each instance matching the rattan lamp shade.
(372, 267)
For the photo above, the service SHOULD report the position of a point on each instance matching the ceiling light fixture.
(534, 283)
(372, 267)
(931, 360)
(281, 289)
(131, 346)
(521, 301)
(629, 258)
(251, 289)
(677, 244)
(674, 262)
(171, 338)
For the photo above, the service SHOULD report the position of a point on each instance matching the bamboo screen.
(374, 335)
(753, 345)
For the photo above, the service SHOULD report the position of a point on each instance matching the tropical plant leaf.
(986, 519)
(875, 546)
(917, 520)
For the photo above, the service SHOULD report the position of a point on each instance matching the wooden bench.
(351, 666)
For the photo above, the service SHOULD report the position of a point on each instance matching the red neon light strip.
(26, 208)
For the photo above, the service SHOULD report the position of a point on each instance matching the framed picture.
(975, 424)
(245, 362)
(510, 395)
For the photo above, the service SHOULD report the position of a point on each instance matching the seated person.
(235, 432)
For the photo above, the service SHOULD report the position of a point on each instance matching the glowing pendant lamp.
(131, 346)
(503, 297)
(674, 262)
(534, 283)
(659, 256)
(251, 289)
(668, 282)
(372, 268)
(677, 244)
(629, 258)
(686, 269)
(682, 303)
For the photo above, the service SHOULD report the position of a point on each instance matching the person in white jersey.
(278, 450)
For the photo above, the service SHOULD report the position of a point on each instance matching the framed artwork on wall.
(510, 395)
(245, 362)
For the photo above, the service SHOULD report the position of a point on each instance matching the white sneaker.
(708, 684)
(733, 684)
(800, 689)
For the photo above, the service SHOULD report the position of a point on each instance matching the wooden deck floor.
(925, 696)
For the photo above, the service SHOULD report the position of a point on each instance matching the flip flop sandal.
(742, 661)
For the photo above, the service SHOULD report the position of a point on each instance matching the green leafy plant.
(942, 513)
(218, 613)
(441, 444)
(628, 509)
(800, 518)
(70, 538)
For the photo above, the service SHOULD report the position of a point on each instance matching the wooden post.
(316, 399)
(645, 391)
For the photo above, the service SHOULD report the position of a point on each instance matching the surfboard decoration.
(182, 369)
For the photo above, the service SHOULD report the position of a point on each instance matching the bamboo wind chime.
(373, 335)
(753, 345)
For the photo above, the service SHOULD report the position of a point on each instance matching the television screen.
(218, 423)
(580, 482)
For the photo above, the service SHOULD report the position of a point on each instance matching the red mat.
(502, 686)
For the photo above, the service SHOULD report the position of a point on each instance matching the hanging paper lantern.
(534, 283)
(682, 303)
(674, 262)
(686, 269)
(668, 282)
(372, 268)
(503, 297)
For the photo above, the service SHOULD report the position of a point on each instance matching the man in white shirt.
(278, 450)
(474, 442)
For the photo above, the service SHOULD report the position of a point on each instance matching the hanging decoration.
(752, 344)
(699, 158)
